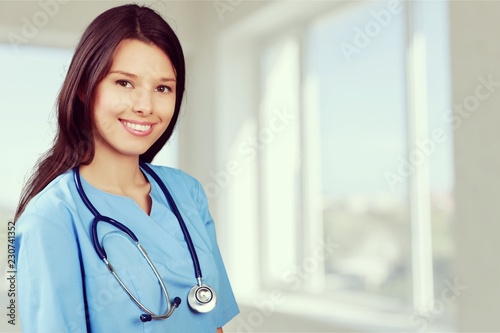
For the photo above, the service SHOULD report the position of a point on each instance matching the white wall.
(475, 49)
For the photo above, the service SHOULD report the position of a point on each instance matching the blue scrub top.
(65, 287)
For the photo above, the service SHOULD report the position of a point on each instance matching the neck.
(114, 174)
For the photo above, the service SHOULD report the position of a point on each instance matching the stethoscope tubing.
(98, 217)
(194, 302)
(175, 210)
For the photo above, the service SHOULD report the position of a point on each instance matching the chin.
(133, 153)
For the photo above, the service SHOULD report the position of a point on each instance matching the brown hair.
(73, 144)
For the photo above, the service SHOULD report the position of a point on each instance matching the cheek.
(166, 110)
(103, 114)
(107, 106)
(109, 101)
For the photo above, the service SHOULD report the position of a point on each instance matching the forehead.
(139, 58)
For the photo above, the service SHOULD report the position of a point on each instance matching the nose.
(143, 102)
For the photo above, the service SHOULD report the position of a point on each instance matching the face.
(135, 102)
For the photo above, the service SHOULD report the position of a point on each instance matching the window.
(356, 94)
(32, 78)
(357, 158)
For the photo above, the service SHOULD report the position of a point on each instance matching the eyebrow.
(134, 76)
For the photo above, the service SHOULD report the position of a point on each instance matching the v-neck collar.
(161, 215)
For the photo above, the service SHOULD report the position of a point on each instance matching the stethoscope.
(201, 297)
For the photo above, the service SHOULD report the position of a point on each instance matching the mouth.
(137, 128)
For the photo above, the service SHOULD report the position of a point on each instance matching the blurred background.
(348, 150)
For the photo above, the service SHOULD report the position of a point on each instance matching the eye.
(124, 83)
(163, 89)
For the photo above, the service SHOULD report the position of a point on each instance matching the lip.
(137, 128)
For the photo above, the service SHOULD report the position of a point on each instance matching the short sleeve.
(227, 308)
(49, 276)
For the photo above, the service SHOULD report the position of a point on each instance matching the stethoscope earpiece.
(145, 317)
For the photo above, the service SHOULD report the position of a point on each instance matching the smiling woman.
(133, 105)
(132, 109)
(117, 108)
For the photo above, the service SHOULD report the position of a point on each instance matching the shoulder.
(176, 177)
(54, 202)
(182, 184)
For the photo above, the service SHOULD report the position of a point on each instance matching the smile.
(137, 129)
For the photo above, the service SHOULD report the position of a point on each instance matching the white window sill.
(339, 315)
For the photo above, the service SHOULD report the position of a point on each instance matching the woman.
(92, 196)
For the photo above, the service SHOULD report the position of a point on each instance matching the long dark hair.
(74, 143)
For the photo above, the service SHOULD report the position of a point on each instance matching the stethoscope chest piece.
(202, 298)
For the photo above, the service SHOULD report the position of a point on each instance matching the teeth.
(138, 127)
